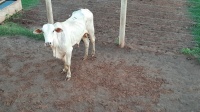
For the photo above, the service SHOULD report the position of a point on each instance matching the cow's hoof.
(67, 78)
(93, 54)
(84, 58)
(63, 71)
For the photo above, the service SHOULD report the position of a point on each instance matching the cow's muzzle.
(48, 44)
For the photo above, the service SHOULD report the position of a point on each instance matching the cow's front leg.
(65, 68)
(68, 63)
(68, 76)
(86, 42)
(54, 51)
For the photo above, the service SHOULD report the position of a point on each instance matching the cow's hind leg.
(92, 38)
(86, 42)
(91, 31)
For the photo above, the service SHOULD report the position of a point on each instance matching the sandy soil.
(148, 75)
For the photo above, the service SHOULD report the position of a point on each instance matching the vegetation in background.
(194, 10)
(28, 4)
(9, 28)
(12, 29)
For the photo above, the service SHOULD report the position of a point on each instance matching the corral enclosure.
(149, 74)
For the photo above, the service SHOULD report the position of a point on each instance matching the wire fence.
(158, 24)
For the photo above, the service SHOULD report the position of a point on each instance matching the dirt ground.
(148, 75)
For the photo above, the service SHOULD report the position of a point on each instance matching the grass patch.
(28, 4)
(13, 29)
(9, 28)
(194, 10)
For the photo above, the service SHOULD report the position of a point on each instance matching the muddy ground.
(148, 75)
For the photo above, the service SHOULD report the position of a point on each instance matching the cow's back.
(78, 24)
(74, 29)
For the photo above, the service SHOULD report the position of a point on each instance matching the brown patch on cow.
(58, 30)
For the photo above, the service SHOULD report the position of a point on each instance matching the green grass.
(28, 4)
(194, 10)
(9, 28)
(13, 29)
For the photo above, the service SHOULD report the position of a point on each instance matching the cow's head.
(49, 32)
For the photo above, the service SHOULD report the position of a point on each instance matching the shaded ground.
(149, 74)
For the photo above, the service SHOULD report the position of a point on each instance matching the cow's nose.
(48, 44)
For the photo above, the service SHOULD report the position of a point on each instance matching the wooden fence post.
(122, 23)
(49, 11)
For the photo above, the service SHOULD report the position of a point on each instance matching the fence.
(155, 25)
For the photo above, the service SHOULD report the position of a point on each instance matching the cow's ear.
(37, 31)
(58, 30)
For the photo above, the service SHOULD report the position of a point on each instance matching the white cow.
(62, 36)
